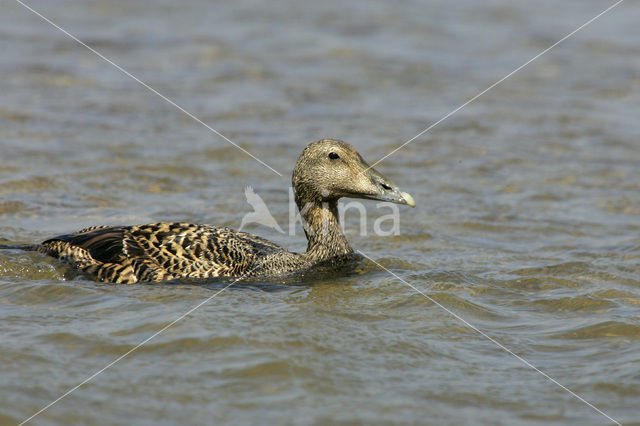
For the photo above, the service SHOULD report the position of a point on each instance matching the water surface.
(527, 223)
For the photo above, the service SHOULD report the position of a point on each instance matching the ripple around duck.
(49, 289)
(267, 368)
(572, 304)
(562, 269)
(606, 329)
(464, 306)
(165, 345)
(533, 284)
(30, 266)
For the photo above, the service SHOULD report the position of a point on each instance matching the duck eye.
(333, 156)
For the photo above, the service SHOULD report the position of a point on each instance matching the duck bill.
(385, 190)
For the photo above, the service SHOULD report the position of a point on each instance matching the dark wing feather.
(106, 244)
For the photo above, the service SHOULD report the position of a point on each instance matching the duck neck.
(322, 228)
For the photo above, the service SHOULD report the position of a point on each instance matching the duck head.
(330, 169)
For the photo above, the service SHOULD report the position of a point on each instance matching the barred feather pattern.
(165, 251)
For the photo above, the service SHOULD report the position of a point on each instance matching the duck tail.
(25, 247)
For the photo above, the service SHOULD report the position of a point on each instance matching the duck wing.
(160, 251)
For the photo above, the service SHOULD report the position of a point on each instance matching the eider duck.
(325, 171)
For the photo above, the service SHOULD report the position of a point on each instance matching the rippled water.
(527, 224)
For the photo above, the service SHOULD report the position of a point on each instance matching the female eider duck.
(326, 171)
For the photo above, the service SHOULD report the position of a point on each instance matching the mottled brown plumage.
(326, 171)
